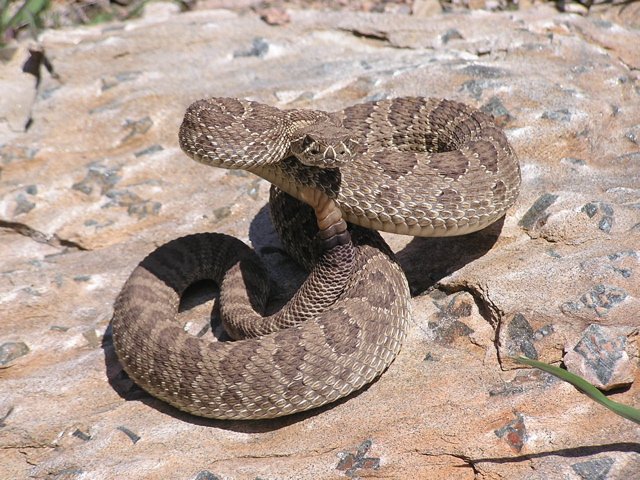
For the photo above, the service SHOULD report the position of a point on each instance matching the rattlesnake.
(409, 165)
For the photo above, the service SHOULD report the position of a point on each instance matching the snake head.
(324, 145)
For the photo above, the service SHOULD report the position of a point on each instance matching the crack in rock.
(40, 237)
(486, 308)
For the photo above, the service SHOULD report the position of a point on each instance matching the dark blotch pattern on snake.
(411, 165)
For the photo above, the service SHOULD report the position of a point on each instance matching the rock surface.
(98, 180)
(601, 357)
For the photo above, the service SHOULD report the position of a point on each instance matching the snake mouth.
(324, 160)
(323, 155)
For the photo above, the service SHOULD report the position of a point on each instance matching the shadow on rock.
(426, 261)
(288, 276)
(285, 275)
(439, 256)
(572, 452)
(131, 392)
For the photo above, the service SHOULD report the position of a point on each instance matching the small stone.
(206, 475)
(536, 214)
(543, 332)
(623, 262)
(596, 469)
(590, 209)
(520, 337)
(135, 205)
(514, 433)
(634, 134)
(451, 34)
(81, 435)
(4, 416)
(460, 306)
(428, 357)
(601, 358)
(447, 331)
(99, 178)
(144, 209)
(496, 108)
(603, 297)
(606, 221)
(475, 88)
(350, 463)
(562, 115)
(9, 351)
(259, 48)
(576, 162)
(553, 253)
(148, 150)
(134, 437)
(221, 212)
(605, 224)
(58, 328)
(23, 205)
(137, 127)
(483, 71)
(600, 299)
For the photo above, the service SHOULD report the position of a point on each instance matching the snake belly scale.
(410, 165)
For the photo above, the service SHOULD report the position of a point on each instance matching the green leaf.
(28, 14)
(29, 10)
(585, 387)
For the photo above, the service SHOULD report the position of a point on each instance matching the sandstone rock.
(601, 358)
(98, 180)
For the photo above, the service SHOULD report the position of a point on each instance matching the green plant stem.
(585, 387)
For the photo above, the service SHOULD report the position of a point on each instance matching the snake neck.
(324, 286)
(332, 229)
(295, 178)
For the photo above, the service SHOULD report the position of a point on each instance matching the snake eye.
(307, 142)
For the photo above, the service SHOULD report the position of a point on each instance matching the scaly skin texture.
(334, 347)
(414, 166)
(411, 165)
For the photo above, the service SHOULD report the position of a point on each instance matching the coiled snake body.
(411, 165)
